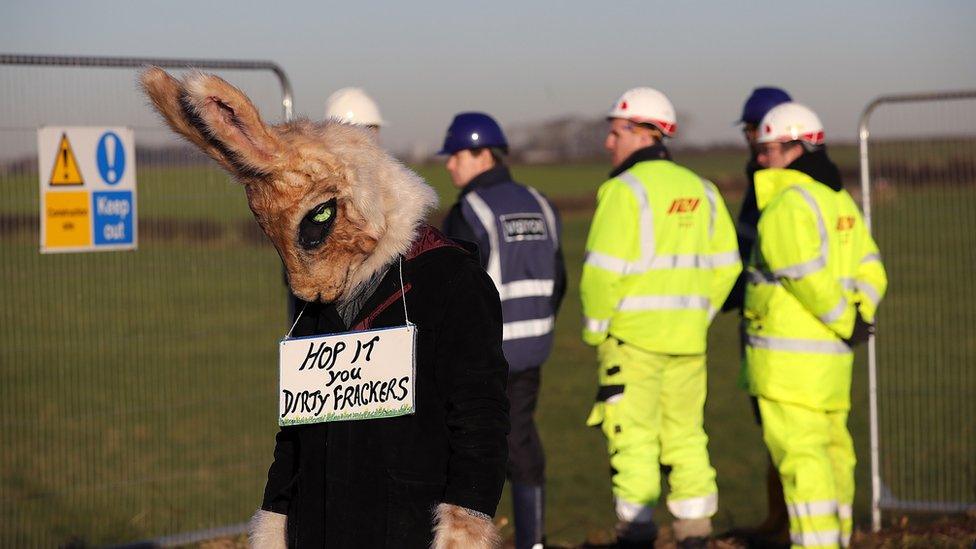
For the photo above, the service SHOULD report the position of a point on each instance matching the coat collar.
(324, 317)
(389, 291)
(810, 167)
(656, 151)
(429, 239)
(818, 165)
(498, 174)
(770, 182)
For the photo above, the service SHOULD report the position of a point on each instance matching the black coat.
(374, 483)
(746, 232)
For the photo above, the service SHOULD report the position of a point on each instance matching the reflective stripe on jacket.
(661, 257)
(814, 268)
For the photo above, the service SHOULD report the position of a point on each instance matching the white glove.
(266, 530)
(459, 528)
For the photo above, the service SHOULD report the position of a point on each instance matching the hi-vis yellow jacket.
(814, 268)
(661, 258)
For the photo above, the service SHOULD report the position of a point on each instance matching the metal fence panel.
(919, 172)
(134, 386)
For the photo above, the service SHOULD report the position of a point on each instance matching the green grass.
(180, 193)
(137, 388)
(133, 388)
(927, 343)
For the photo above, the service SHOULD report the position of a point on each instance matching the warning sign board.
(65, 171)
(88, 189)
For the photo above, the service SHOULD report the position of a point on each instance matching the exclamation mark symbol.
(110, 145)
(64, 156)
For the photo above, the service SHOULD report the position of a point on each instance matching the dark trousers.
(526, 461)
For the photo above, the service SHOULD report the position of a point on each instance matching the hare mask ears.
(335, 205)
(218, 118)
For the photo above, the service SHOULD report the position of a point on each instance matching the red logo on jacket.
(845, 222)
(683, 205)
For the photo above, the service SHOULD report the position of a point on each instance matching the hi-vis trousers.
(814, 454)
(650, 407)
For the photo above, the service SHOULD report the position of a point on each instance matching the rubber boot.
(774, 531)
(636, 535)
(528, 503)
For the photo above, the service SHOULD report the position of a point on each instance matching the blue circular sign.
(111, 158)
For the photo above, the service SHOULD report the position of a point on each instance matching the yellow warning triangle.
(66, 170)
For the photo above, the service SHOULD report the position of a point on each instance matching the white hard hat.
(353, 106)
(791, 122)
(646, 106)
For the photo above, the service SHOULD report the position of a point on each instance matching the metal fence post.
(863, 135)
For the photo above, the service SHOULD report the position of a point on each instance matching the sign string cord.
(403, 293)
(297, 318)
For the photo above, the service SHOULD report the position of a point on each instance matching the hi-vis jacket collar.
(656, 151)
(811, 166)
(772, 181)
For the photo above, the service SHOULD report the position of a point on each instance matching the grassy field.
(137, 387)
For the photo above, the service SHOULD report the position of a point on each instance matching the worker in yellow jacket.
(815, 281)
(661, 257)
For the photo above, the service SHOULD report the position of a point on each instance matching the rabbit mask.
(336, 206)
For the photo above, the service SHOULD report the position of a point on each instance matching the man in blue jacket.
(517, 231)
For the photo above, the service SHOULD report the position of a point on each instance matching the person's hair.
(497, 154)
(807, 147)
(655, 132)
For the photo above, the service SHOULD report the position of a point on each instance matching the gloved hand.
(459, 528)
(266, 530)
(862, 331)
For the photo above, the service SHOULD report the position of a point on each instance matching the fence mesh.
(922, 159)
(134, 386)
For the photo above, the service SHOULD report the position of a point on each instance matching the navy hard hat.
(760, 102)
(473, 130)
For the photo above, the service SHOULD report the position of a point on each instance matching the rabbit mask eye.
(316, 225)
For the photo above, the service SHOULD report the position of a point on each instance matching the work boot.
(694, 542)
(528, 503)
(636, 535)
(774, 531)
(623, 543)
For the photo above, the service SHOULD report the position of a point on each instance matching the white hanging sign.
(350, 376)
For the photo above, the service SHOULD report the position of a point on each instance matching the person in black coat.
(346, 218)
(761, 101)
(774, 530)
(402, 467)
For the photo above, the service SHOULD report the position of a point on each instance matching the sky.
(530, 61)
